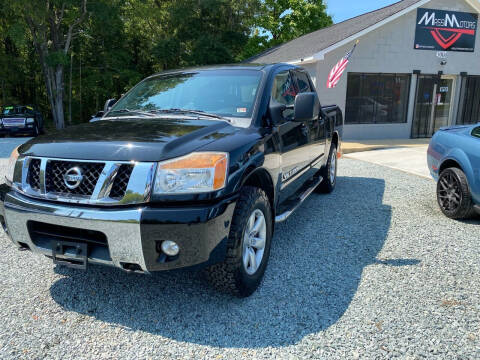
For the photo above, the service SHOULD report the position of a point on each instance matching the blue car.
(454, 162)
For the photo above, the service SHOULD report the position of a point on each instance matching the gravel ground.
(373, 270)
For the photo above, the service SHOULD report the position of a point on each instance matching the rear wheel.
(329, 173)
(248, 246)
(453, 194)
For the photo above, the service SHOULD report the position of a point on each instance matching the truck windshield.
(16, 110)
(227, 93)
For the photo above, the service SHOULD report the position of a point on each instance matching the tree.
(52, 25)
(119, 42)
(280, 21)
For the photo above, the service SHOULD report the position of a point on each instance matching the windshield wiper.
(188, 111)
(138, 112)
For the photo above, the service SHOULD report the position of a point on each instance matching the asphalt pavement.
(373, 270)
(7, 145)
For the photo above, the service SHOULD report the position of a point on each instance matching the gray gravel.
(373, 270)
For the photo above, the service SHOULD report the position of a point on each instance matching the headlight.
(194, 173)
(11, 165)
(30, 121)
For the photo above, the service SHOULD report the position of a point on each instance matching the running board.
(284, 216)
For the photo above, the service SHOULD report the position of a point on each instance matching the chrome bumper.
(122, 227)
(131, 233)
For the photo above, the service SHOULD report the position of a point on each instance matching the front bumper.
(132, 234)
(17, 130)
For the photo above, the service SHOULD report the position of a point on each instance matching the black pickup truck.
(191, 168)
(20, 119)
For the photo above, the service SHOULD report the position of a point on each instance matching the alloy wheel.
(254, 239)
(333, 166)
(450, 194)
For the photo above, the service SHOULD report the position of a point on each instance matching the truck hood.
(150, 139)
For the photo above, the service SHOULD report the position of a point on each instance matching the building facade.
(416, 68)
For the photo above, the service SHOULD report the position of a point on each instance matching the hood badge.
(73, 178)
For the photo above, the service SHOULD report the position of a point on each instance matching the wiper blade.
(188, 111)
(138, 112)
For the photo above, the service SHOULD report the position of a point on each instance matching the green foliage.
(122, 41)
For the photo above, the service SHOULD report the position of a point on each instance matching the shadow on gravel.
(316, 265)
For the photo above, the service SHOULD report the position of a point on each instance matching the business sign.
(445, 30)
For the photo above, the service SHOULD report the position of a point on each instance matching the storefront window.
(470, 109)
(377, 98)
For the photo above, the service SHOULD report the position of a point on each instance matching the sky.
(345, 9)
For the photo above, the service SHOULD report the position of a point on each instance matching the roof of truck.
(241, 66)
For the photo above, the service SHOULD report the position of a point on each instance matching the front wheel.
(248, 245)
(36, 130)
(329, 173)
(453, 194)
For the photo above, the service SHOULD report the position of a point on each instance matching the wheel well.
(449, 164)
(335, 139)
(261, 179)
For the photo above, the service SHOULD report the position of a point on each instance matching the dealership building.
(415, 69)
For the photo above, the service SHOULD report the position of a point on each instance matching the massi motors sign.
(445, 30)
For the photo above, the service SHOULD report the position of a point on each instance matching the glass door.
(433, 104)
(443, 104)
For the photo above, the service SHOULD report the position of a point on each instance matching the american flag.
(337, 71)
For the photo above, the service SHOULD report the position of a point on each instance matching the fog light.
(170, 248)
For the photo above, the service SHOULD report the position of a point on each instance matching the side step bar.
(301, 199)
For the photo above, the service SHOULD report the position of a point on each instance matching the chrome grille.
(56, 170)
(13, 122)
(34, 174)
(103, 183)
(120, 183)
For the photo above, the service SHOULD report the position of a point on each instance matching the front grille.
(13, 122)
(120, 183)
(75, 181)
(34, 174)
(56, 169)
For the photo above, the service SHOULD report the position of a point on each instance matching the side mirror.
(97, 116)
(109, 104)
(307, 107)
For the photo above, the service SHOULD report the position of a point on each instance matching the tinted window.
(16, 110)
(303, 83)
(224, 92)
(284, 91)
(377, 98)
(476, 132)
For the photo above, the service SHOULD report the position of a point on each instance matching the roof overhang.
(321, 54)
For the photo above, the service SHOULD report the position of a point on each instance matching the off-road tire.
(230, 275)
(465, 208)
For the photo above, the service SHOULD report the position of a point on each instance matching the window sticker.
(242, 110)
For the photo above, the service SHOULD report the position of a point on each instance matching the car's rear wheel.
(453, 194)
(248, 245)
(329, 173)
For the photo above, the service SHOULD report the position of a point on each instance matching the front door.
(295, 137)
(433, 105)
